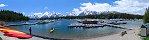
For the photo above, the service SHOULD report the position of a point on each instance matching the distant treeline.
(105, 16)
(7, 15)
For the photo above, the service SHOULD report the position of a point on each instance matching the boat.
(88, 21)
(43, 22)
(26, 23)
(117, 23)
(51, 20)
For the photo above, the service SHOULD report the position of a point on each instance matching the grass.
(0, 38)
(146, 38)
(139, 34)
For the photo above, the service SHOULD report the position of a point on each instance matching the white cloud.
(125, 6)
(3, 5)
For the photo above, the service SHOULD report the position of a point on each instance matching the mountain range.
(84, 13)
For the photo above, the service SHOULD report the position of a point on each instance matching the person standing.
(30, 30)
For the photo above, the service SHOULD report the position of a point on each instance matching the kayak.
(4, 27)
(7, 30)
(52, 30)
(3, 30)
(1, 26)
(18, 35)
(14, 33)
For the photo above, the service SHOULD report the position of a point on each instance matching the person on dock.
(30, 30)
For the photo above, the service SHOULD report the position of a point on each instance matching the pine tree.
(7, 15)
(146, 16)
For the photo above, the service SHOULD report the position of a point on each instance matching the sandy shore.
(131, 35)
(12, 38)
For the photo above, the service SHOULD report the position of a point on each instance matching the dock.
(21, 24)
(115, 26)
(96, 25)
(85, 25)
(27, 23)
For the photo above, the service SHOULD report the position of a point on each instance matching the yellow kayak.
(52, 30)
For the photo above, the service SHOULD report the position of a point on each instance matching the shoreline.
(13, 38)
(34, 37)
(48, 37)
(131, 35)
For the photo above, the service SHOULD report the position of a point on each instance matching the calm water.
(62, 31)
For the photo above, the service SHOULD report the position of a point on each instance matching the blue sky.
(62, 6)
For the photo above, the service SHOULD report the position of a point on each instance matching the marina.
(88, 23)
(71, 29)
(74, 20)
(96, 25)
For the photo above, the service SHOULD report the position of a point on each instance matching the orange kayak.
(7, 30)
(14, 33)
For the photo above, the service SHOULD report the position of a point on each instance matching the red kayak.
(1, 26)
(18, 35)
(4, 27)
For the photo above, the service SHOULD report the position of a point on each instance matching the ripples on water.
(62, 31)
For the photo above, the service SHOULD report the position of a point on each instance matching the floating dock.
(115, 26)
(85, 25)
(96, 25)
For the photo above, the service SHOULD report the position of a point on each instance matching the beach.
(13, 38)
(131, 35)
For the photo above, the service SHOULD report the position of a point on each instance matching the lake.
(62, 31)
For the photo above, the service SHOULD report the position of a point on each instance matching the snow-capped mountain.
(46, 15)
(96, 13)
(88, 13)
(72, 14)
(33, 16)
(84, 13)
(107, 12)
